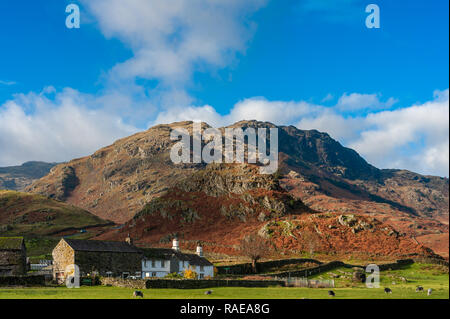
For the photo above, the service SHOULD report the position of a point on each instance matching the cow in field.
(388, 290)
(419, 289)
(429, 292)
(331, 293)
(138, 293)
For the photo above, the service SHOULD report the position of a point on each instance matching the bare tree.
(311, 241)
(254, 247)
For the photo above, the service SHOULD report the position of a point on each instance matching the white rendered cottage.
(159, 262)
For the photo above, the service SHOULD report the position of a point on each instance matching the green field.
(218, 293)
(428, 276)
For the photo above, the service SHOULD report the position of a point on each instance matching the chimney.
(128, 240)
(175, 245)
(199, 250)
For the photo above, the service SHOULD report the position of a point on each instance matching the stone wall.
(103, 262)
(186, 283)
(22, 281)
(126, 283)
(201, 284)
(246, 268)
(63, 256)
(398, 264)
(12, 262)
(310, 271)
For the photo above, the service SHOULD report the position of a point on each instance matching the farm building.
(158, 262)
(13, 256)
(107, 258)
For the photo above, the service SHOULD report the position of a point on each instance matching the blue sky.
(309, 63)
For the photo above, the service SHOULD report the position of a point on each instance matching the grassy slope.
(35, 215)
(429, 276)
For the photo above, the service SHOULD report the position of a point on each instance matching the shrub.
(190, 274)
(173, 275)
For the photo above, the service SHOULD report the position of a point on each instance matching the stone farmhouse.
(13, 256)
(158, 262)
(123, 259)
(106, 258)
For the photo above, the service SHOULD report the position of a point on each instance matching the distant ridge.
(19, 177)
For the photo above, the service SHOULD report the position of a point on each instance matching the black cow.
(331, 293)
(388, 290)
(138, 293)
(419, 289)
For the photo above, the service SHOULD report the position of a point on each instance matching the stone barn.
(106, 258)
(13, 256)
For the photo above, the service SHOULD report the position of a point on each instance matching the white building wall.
(182, 266)
(158, 271)
(205, 271)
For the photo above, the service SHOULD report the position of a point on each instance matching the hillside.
(223, 203)
(36, 215)
(136, 173)
(18, 177)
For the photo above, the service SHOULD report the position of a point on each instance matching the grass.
(49, 215)
(218, 293)
(428, 276)
(409, 276)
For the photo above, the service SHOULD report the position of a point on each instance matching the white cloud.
(357, 101)
(55, 128)
(171, 39)
(424, 126)
(327, 98)
(7, 83)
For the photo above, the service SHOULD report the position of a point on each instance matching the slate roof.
(11, 243)
(167, 254)
(101, 246)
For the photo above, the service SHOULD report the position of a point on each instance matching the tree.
(311, 241)
(254, 247)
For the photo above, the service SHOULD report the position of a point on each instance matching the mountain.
(36, 215)
(18, 177)
(134, 180)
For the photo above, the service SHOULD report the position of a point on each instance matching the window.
(153, 274)
(153, 264)
(147, 274)
(163, 263)
(109, 274)
(201, 276)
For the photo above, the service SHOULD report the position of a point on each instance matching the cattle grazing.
(419, 289)
(331, 293)
(138, 293)
(388, 290)
(429, 292)
(208, 292)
